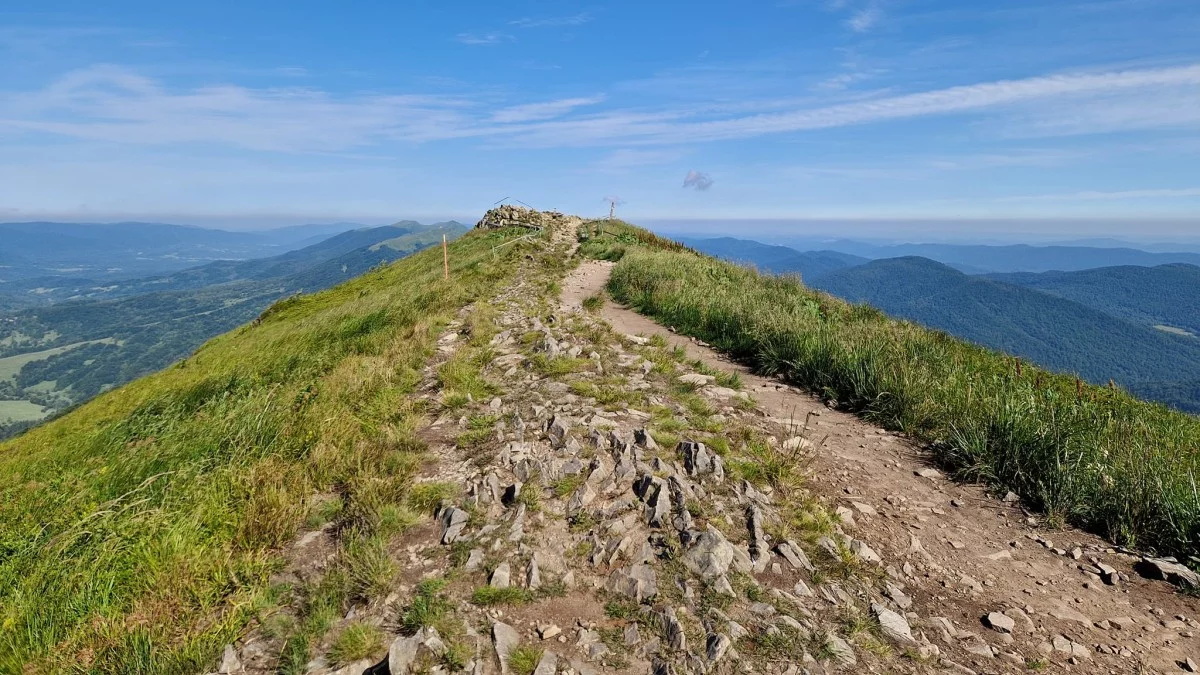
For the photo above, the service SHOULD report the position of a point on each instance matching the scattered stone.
(712, 555)
(501, 576)
(840, 650)
(1001, 623)
(1168, 570)
(928, 473)
(718, 646)
(795, 556)
(507, 638)
(230, 663)
(696, 379)
(893, 625)
(453, 521)
(864, 552)
(637, 582)
(548, 664)
(415, 653)
(548, 631)
(674, 631)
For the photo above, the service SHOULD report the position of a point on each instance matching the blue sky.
(260, 112)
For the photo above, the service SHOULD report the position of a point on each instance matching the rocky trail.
(629, 501)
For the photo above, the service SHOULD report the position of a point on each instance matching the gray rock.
(893, 625)
(674, 631)
(1168, 570)
(557, 431)
(795, 556)
(840, 650)
(637, 582)
(230, 663)
(897, 595)
(548, 664)
(1000, 623)
(712, 555)
(697, 461)
(415, 653)
(721, 585)
(501, 576)
(717, 647)
(696, 379)
(474, 560)
(453, 521)
(864, 552)
(642, 438)
(533, 576)
(507, 639)
(585, 494)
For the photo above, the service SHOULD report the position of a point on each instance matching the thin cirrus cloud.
(532, 112)
(552, 22)
(1115, 195)
(484, 39)
(114, 104)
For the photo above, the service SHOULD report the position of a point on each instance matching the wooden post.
(445, 260)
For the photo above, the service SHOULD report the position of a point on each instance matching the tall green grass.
(1095, 457)
(139, 532)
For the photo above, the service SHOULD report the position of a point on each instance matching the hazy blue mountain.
(1165, 295)
(64, 353)
(775, 259)
(983, 259)
(108, 251)
(1052, 331)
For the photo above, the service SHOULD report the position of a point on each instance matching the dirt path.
(960, 553)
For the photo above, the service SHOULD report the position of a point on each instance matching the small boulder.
(1001, 623)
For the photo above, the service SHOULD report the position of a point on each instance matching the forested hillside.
(1057, 333)
(57, 356)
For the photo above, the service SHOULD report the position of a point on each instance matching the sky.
(775, 111)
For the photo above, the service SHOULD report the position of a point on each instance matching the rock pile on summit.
(510, 215)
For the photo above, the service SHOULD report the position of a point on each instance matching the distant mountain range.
(83, 339)
(775, 259)
(982, 259)
(1137, 325)
(106, 251)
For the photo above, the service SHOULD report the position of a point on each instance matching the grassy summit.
(1093, 456)
(139, 532)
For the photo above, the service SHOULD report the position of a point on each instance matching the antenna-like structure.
(612, 205)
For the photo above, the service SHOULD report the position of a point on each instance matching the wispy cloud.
(550, 22)
(624, 159)
(866, 18)
(484, 39)
(115, 104)
(1116, 195)
(697, 180)
(532, 112)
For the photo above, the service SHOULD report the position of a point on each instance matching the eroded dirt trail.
(960, 554)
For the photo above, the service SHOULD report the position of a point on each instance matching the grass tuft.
(356, 642)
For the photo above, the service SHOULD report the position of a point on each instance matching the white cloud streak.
(114, 104)
(1117, 195)
(484, 39)
(551, 22)
(531, 112)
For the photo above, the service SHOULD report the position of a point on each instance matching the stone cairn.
(510, 215)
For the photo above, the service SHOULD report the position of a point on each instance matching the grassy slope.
(138, 533)
(1104, 460)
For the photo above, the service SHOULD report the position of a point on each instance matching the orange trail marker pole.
(445, 260)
